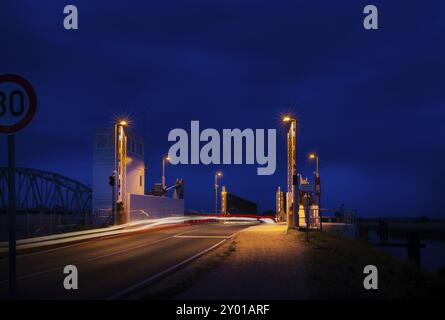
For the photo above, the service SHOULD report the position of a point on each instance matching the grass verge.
(336, 264)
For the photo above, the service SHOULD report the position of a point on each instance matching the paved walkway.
(267, 264)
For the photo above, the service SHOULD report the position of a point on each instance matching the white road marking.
(60, 248)
(147, 281)
(70, 246)
(205, 237)
(95, 258)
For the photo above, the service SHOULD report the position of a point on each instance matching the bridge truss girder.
(45, 192)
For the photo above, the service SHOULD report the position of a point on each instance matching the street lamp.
(313, 156)
(217, 175)
(164, 159)
(292, 180)
(287, 119)
(118, 130)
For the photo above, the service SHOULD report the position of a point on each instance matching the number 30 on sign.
(18, 103)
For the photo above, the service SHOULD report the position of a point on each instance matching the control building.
(104, 159)
(119, 157)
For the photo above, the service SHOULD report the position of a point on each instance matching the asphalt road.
(109, 268)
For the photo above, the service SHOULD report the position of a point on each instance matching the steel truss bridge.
(40, 191)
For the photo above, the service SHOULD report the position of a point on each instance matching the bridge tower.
(130, 167)
(292, 184)
(223, 201)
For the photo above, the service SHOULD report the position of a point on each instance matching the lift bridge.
(40, 191)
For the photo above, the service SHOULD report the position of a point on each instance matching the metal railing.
(346, 216)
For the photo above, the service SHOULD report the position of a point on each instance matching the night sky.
(371, 103)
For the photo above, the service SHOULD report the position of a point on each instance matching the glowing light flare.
(287, 119)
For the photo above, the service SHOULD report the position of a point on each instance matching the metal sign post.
(11, 216)
(14, 116)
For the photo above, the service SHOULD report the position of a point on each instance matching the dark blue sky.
(370, 102)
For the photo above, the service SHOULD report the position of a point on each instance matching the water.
(432, 257)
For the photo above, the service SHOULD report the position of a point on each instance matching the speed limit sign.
(18, 103)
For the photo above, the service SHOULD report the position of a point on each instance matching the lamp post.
(292, 180)
(313, 156)
(118, 126)
(164, 160)
(217, 175)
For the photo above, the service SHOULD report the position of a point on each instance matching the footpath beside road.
(266, 264)
(260, 262)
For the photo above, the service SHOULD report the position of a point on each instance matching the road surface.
(110, 268)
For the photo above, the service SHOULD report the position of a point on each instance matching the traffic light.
(112, 180)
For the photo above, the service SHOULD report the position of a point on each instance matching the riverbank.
(336, 271)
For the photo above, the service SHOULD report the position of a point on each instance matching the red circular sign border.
(32, 102)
